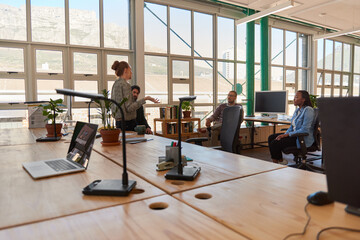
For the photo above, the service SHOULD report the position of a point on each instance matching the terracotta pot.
(50, 130)
(186, 114)
(110, 136)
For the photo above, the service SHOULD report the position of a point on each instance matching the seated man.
(140, 118)
(216, 118)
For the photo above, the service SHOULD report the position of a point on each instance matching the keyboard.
(60, 165)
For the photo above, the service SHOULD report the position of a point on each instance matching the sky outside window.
(225, 38)
(155, 28)
(180, 23)
(116, 23)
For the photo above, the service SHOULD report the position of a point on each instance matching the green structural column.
(250, 65)
(264, 57)
(264, 50)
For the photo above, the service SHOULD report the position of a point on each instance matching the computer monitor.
(340, 131)
(272, 102)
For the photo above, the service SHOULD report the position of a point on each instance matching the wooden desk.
(274, 121)
(129, 221)
(271, 206)
(25, 200)
(16, 136)
(216, 166)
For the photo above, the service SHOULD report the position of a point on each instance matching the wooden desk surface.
(216, 166)
(129, 221)
(268, 120)
(271, 206)
(16, 136)
(25, 200)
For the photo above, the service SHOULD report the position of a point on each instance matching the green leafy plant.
(104, 109)
(187, 106)
(313, 99)
(52, 109)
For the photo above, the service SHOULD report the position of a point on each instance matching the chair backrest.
(316, 133)
(229, 134)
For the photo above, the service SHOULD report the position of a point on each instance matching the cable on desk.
(338, 228)
(305, 227)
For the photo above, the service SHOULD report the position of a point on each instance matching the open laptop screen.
(82, 143)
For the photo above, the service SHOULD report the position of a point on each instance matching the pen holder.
(172, 153)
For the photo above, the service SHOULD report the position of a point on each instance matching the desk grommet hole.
(178, 183)
(137, 191)
(158, 206)
(203, 196)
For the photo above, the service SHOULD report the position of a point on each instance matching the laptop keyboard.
(60, 165)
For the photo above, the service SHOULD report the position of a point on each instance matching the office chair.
(229, 133)
(300, 155)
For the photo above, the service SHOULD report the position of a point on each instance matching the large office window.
(225, 38)
(181, 57)
(203, 35)
(40, 54)
(12, 77)
(13, 18)
(84, 23)
(289, 62)
(334, 68)
(155, 28)
(180, 34)
(48, 21)
(116, 24)
(356, 77)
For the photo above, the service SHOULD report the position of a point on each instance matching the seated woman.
(301, 122)
(122, 89)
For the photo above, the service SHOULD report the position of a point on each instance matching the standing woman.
(301, 122)
(122, 89)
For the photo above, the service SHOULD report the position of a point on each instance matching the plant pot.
(50, 130)
(110, 136)
(186, 114)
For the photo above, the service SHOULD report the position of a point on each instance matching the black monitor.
(271, 102)
(340, 130)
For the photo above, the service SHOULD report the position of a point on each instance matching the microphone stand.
(112, 187)
(180, 172)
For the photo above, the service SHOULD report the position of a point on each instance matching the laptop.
(76, 160)
(340, 130)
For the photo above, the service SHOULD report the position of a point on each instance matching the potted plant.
(51, 110)
(186, 107)
(313, 99)
(109, 132)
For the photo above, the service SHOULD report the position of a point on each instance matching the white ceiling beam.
(335, 34)
(266, 12)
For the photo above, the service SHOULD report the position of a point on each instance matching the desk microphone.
(180, 172)
(110, 187)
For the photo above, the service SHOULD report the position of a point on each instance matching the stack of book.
(170, 112)
(187, 127)
(171, 128)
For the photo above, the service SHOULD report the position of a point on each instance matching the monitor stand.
(352, 210)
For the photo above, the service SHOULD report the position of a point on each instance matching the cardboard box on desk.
(245, 136)
(35, 117)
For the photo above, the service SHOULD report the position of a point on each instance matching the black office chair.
(229, 133)
(300, 154)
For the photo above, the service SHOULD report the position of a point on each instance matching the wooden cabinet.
(169, 128)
